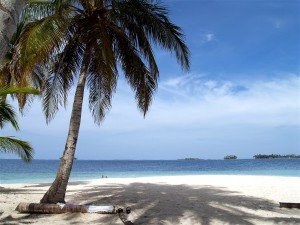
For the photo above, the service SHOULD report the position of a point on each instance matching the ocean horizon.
(40, 171)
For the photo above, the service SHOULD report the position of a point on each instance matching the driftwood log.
(72, 208)
(289, 205)
(63, 208)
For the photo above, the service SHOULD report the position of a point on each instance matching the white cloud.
(209, 37)
(191, 101)
(206, 37)
(189, 113)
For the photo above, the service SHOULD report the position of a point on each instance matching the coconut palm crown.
(89, 42)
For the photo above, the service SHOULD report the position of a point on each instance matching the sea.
(16, 171)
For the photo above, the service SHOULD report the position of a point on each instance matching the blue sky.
(242, 95)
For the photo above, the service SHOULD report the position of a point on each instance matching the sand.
(174, 200)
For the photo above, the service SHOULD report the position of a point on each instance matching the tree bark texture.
(10, 11)
(63, 208)
(50, 208)
(57, 191)
(289, 205)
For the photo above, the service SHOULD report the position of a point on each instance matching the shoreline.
(146, 177)
(150, 177)
(193, 199)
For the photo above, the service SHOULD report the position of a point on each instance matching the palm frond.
(16, 146)
(38, 9)
(36, 79)
(18, 90)
(53, 95)
(102, 79)
(61, 74)
(154, 20)
(5, 76)
(7, 115)
(38, 41)
(139, 39)
(136, 72)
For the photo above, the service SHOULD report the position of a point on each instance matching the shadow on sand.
(171, 205)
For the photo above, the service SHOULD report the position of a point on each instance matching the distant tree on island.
(191, 159)
(275, 156)
(230, 157)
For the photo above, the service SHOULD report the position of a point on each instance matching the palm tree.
(89, 42)
(17, 83)
(8, 115)
(9, 17)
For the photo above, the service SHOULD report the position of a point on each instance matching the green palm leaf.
(138, 75)
(18, 90)
(7, 115)
(38, 41)
(154, 20)
(59, 80)
(16, 146)
(102, 81)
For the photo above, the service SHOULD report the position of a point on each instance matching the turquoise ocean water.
(15, 171)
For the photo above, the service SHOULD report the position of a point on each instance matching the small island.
(190, 159)
(74, 158)
(230, 157)
(276, 156)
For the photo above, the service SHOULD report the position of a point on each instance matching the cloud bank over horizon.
(191, 115)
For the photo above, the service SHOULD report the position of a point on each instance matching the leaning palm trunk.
(9, 16)
(56, 192)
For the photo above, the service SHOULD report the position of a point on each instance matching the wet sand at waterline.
(187, 200)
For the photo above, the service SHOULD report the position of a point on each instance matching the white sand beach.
(174, 200)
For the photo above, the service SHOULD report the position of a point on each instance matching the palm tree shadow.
(182, 204)
(163, 204)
